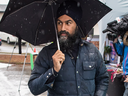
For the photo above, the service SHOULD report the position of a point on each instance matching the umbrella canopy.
(33, 20)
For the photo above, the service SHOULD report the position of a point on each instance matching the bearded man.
(75, 70)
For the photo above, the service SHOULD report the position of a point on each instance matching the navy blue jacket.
(85, 77)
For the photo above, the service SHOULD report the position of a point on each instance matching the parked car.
(0, 42)
(9, 38)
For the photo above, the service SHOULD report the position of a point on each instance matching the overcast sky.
(4, 1)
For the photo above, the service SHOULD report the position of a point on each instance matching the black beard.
(69, 41)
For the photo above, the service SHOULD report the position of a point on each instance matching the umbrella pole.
(23, 67)
(57, 40)
(12, 54)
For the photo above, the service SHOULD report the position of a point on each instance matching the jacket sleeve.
(40, 74)
(102, 77)
(119, 48)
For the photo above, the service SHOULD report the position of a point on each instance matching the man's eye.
(59, 23)
(68, 23)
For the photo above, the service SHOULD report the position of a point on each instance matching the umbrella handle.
(57, 40)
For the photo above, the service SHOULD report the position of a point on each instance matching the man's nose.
(63, 27)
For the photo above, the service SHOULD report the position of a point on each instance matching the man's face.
(67, 31)
(67, 24)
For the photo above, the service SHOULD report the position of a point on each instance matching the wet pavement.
(10, 76)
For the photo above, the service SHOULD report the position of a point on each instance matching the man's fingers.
(58, 52)
(62, 60)
(59, 55)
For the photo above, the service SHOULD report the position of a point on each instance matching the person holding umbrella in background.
(77, 69)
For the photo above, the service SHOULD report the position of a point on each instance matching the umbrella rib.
(40, 22)
(82, 31)
(26, 6)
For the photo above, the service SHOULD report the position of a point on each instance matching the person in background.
(122, 50)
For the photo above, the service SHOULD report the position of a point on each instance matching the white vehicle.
(9, 38)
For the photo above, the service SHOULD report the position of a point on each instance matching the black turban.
(72, 9)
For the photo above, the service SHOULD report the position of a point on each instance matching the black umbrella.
(34, 20)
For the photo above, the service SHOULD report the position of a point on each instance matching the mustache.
(63, 32)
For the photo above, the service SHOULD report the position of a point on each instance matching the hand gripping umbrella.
(34, 20)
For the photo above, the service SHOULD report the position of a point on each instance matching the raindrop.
(25, 19)
(69, 6)
(89, 5)
(29, 22)
(67, 91)
(20, 3)
(38, 5)
(14, 6)
(14, 25)
(66, 11)
(78, 4)
(98, 13)
(64, 4)
(21, 26)
(44, 22)
(55, 3)
(42, 32)
(91, 12)
(49, 30)
(9, 9)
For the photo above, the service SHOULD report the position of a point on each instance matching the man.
(75, 70)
